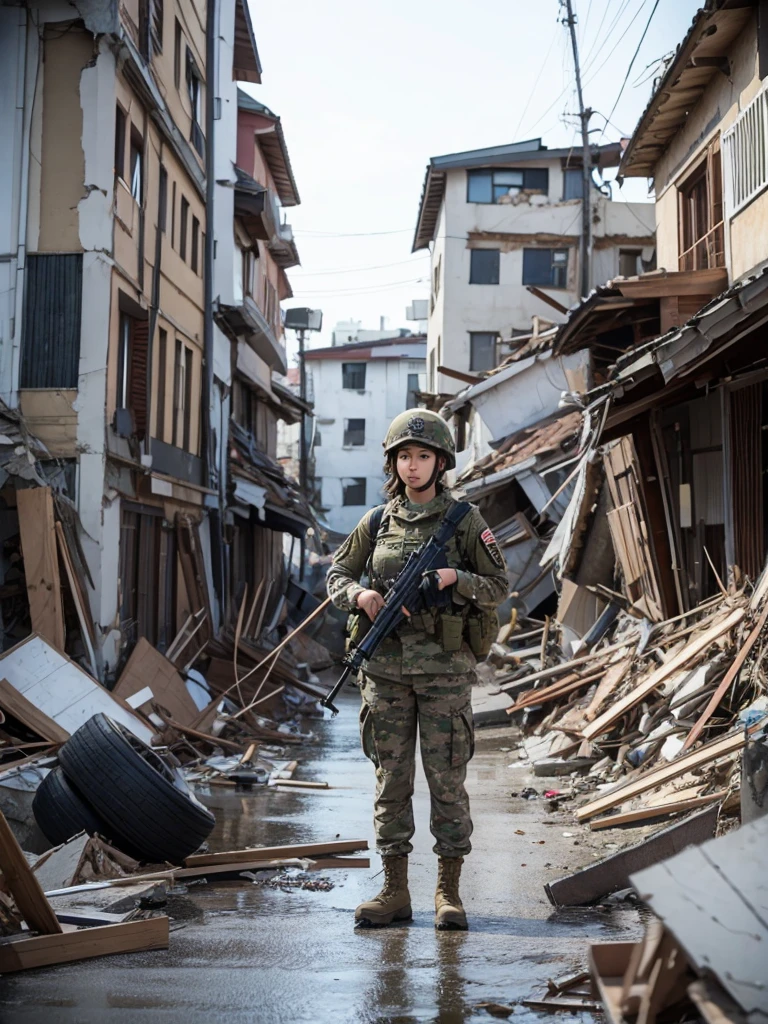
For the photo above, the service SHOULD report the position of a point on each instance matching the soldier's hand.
(447, 578)
(371, 602)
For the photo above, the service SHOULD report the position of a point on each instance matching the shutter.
(138, 376)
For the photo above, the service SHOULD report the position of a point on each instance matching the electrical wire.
(351, 234)
(594, 53)
(358, 270)
(613, 49)
(555, 36)
(631, 63)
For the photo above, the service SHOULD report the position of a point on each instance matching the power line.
(358, 270)
(597, 48)
(613, 49)
(351, 234)
(634, 57)
(555, 36)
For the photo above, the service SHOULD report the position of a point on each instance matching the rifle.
(403, 593)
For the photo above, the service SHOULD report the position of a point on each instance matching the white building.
(347, 332)
(358, 390)
(504, 219)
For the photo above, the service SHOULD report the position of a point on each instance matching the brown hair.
(394, 486)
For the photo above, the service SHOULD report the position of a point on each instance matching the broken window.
(545, 268)
(353, 376)
(354, 433)
(630, 262)
(700, 214)
(482, 350)
(493, 185)
(484, 266)
(133, 339)
(353, 490)
(50, 351)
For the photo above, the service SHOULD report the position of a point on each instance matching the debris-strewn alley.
(243, 950)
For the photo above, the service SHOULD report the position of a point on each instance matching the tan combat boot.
(449, 912)
(393, 902)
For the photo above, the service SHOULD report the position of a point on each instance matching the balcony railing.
(707, 252)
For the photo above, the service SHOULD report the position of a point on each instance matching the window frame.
(121, 124)
(474, 336)
(480, 261)
(194, 82)
(351, 433)
(136, 183)
(183, 227)
(162, 200)
(194, 256)
(554, 265)
(347, 374)
(359, 482)
(700, 194)
(474, 175)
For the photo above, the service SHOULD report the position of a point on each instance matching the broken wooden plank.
(41, 563)
(556, 690)
(649, 684)
(148, 667)
(300, 784)
(612, 873)
(726, 681)
(78, 599)
(82, 944)
(641, 814)
(23, 885)
(608, 962)
(37, 721)
(557, 670)
(566, 1002)
(649, 780)
(336, 846)
(59, 687)
(614, 675)
(712, 898)
(714, 1005)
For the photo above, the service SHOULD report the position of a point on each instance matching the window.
(484, 266)
(150, 27)
(250, 265)
(195, 93)
(413, 387)
(182, 396)
(744, 146)
(482, 350)
(493, 186)
(183, 228)
(120, 126)
(700, 215)
(173, 215)
(50, 353)
(177, 43)
(630, 262)
(353, 490)
(133, 347)
(187, 431)
(354, 433)
(573, 187)
(546, 268)
(195, 254)
(353, 376)
(162, 373)
(162, 202)
(137, 160)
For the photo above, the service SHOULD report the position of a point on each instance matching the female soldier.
(423, 674)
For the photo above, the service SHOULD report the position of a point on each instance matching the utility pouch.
(358, 625)
(451, 632)
(482, 628)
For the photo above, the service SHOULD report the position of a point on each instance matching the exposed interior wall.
(62, 160)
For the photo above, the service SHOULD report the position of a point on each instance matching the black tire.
(132, 788)
(61, 812)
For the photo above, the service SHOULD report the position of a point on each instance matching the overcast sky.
(368, 92)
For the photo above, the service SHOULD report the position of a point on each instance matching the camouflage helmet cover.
(420, 426)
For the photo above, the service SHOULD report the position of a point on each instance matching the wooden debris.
(25, 711)
(41, 563)
(643, 814)
(337, 846)
(612, 873)
(72, 943)
(148, 667)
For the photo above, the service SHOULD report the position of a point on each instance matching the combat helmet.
(420, 426)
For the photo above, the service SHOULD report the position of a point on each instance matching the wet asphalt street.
(246, 953)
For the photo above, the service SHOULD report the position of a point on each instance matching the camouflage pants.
(440, 706)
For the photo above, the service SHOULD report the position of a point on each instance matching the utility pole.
(303, 455)
(585, 246)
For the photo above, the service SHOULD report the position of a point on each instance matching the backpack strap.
(374, 525)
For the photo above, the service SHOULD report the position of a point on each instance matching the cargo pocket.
(366, 734)
(462, 738)
(451, 630)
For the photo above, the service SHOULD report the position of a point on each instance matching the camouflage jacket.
(473, 552)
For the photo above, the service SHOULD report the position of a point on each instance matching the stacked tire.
(110, 783)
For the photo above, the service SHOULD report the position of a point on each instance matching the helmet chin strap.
(432, 479)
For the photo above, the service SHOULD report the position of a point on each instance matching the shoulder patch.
(489, 543)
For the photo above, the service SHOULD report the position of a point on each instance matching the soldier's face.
(415, 465)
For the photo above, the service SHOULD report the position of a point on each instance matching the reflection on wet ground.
(251, 953)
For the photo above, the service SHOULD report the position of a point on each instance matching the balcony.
(706, 253)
